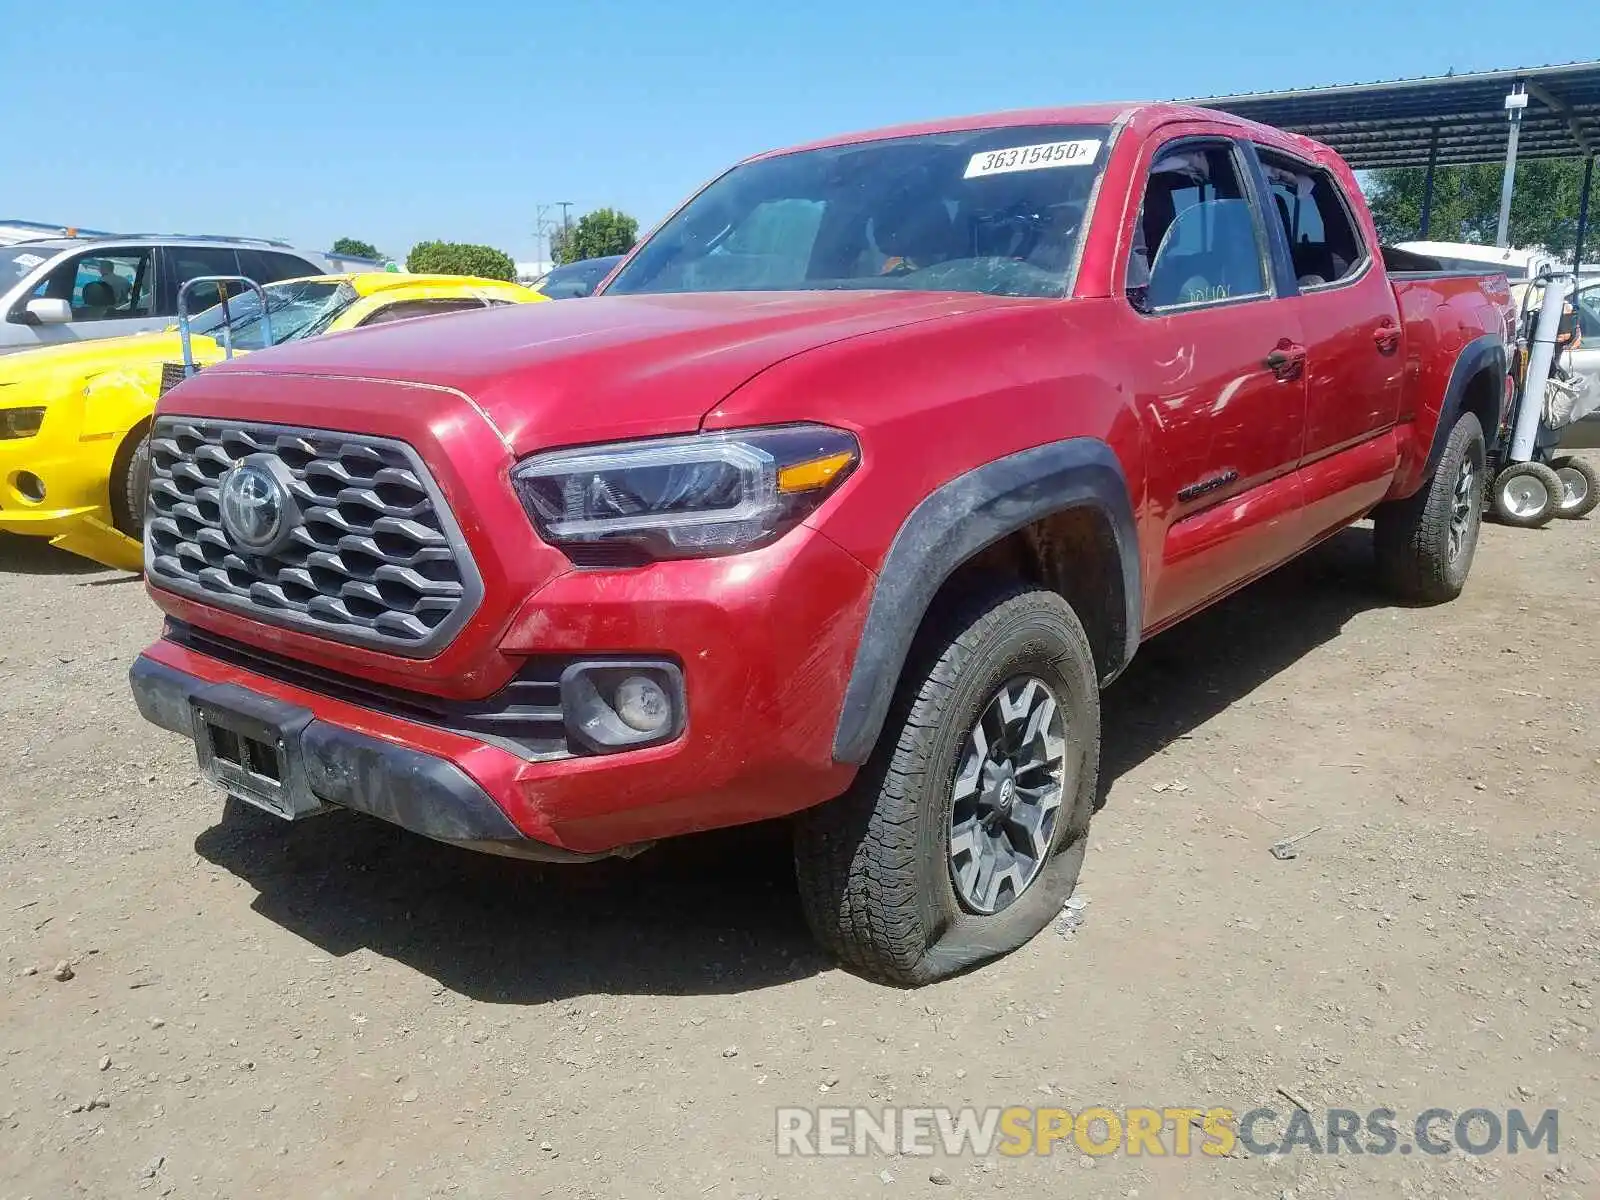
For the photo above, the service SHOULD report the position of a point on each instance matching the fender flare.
(952, 524)
(1480, 352)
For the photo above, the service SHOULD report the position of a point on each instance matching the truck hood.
(605, 368)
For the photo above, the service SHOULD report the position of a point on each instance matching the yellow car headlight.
(20, 422)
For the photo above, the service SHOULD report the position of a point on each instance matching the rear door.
(182, 263)
(1216, 362)
(1350, 322)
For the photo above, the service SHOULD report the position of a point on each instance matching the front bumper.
(337, 766)
(765, 643)
(75, 513)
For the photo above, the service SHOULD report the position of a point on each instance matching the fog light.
(618, 704)
(642, 704)
(29, 485)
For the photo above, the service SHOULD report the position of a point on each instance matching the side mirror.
(41, 311)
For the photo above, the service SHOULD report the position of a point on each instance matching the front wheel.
(965, 832)
(1525, 495)
(1425, 543)
(1580, 487)
(130, 484)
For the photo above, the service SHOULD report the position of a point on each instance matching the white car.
(1585, 362)
(67, 289)
(1519, 266)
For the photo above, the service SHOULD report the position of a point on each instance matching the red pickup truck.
(842, 501)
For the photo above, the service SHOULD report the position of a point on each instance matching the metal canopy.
(1395, 124)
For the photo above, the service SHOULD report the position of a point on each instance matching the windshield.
(990, 210)
(298, 310)
(17, 262)
(576, 279)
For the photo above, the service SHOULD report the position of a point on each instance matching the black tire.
(874, 865)
(1580, 487)
(130, 483)
(1518, 485)
(1426, 542)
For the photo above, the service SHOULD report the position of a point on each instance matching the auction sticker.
(1080, 153)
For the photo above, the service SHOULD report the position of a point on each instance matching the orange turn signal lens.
(816, 473)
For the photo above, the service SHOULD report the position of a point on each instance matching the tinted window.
(288, 266)
(268, 266)
(100, 286)
(191, 262)
(989, 210)
(575, 280)
(421, 308)
(1198, 239)
(1323, 241)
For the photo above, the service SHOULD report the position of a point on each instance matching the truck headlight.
(20, 422)
(686, 497)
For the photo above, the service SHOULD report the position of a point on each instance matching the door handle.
(1387, 338)
(1285, 362)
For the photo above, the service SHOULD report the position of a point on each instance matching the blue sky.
(399, 120)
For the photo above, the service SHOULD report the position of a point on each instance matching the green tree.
(560, 245)
(356, 248)
(599, 233)
(460, 258)
(1466, 203)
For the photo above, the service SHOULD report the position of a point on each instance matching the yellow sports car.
(74, 418)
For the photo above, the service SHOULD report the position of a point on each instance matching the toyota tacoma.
(842, 501)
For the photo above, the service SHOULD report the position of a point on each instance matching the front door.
(1217, 361)
(111, 293)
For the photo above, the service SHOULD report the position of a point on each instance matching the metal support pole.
(1515, 103)
(1427, 183)
(1530, 404)
(1583, 214)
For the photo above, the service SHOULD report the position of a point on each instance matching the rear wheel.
(1426, 542)
(1580, 487)
(130, 484)
(1525, 495)
(965, 832)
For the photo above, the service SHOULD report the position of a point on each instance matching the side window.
(266, 266)
(406, 309)
(191, 262)
(1589, 313)
(109, 286)
(1324, 243)
(1198, 240)
(288, 266)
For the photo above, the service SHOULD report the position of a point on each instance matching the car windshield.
(300, 309)
(577, 279)
(17, 262)
(990, 210)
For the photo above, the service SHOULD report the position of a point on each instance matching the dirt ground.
(341, 1009)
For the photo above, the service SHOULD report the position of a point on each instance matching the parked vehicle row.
(75, 418)
(842, 500)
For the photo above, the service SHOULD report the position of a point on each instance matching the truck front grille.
(375, 557)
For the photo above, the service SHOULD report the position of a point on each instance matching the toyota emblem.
(257, 510)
